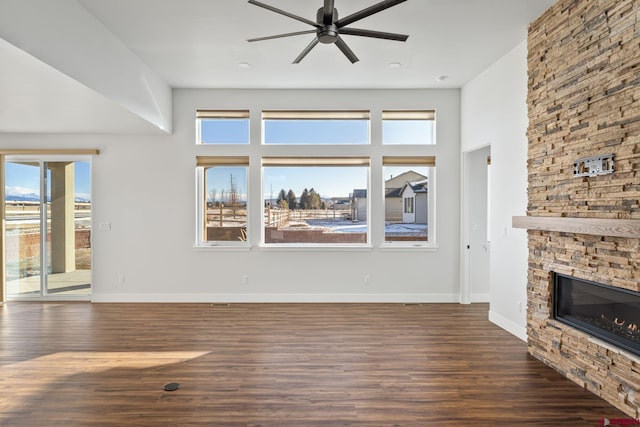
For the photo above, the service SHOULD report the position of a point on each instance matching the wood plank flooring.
(81, 364)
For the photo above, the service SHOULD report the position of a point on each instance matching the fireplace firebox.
(609, 313)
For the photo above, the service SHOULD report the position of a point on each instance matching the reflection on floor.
(73, 283)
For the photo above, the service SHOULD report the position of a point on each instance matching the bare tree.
(212, 196)
(233, 195)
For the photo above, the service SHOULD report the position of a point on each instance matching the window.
(408, 127)
(222, 126)
(222, 188)
(408, 205)
(408, 199)
(315, 127)
(311, 180)
(316, 200)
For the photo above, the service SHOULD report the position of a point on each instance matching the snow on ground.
(361, 227)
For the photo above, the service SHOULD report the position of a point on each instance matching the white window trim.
(256, 150)
(205, 114)
(422, 115)
(430, 244)
(321, 246)
(199, 220)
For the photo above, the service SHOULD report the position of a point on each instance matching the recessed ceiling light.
(394, 65)
(244, 65)
(441, 78)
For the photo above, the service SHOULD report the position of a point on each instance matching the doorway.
(475, 228)
(47, 227)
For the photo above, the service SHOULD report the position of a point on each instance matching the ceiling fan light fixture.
(394, 65)
(328, 27)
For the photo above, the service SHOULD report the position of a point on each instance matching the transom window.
(295, 127)
(408, 127)
(222, 126)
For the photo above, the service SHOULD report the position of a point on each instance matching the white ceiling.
(200, 44)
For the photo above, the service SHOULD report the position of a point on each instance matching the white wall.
(64, 35)
(494, 111)
(144, 185)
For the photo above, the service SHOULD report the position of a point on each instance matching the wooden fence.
(273, 217)
(282, 217)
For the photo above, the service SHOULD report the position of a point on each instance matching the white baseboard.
(276, 298)
(508, 325)
(480, 297)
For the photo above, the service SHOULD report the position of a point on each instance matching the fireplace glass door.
(609, 313)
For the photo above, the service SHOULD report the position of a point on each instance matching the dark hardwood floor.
(81, 364)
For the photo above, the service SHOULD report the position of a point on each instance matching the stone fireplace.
(584, 102)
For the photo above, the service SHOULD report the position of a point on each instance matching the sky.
(236, 131)
(327, 181)
(24, 180)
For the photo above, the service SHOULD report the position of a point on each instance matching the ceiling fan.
(328, 27)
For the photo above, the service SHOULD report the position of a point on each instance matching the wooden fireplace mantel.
(629, 228)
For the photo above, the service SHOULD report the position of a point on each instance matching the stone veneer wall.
(584, 100)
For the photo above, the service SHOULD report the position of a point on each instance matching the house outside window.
(409, 199)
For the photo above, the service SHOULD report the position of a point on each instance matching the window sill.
(221, 248)
(314, 248)
(408, 248)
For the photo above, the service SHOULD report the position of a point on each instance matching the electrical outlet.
(245, 280)
(367, 279)
(105, 226)
(121, 279)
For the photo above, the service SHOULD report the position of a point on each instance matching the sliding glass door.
(47, 228)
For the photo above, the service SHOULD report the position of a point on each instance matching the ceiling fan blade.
(374, 34)
(378, 7)
(327, 12)
(306, 51)
(282, 12)
(297, 33)
(345, 49)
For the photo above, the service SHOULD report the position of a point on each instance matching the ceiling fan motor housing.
(327, 33)
(328, 27)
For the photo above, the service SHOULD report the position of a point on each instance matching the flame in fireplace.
(631, 327)
(621, 326)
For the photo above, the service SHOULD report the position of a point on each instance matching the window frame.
(378, 154)
(409, 115)
(202, 164)
(412, 161)
(319, 161)
(206, 114)
(314, 115)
